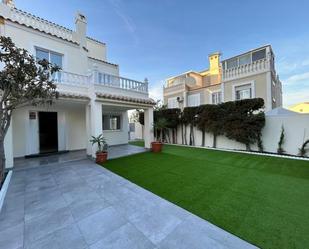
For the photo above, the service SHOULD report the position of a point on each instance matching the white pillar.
(148, 127)
(8, 147)
(95, 123)
(88, 129)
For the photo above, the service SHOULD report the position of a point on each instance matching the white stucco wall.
(296, 132)
(71, 128)
(118, 136)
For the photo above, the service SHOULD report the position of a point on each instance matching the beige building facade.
(248, 75)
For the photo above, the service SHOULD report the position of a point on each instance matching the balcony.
(115, 83)
(245, 70)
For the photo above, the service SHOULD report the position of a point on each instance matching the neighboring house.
(248, 75)
(300, 107)
(94, 99)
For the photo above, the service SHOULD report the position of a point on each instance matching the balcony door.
(48, 132)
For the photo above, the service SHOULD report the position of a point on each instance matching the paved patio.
(113, 152)
(81, 205)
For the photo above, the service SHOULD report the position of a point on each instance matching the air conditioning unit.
(179, 99)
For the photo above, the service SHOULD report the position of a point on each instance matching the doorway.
(48, 132)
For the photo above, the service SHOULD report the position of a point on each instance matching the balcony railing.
(108, 80)
(246, 70)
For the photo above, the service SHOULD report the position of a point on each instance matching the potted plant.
(101, 154)
(159, 126)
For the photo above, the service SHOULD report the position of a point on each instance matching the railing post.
(146, 84)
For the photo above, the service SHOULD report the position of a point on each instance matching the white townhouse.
(94, 99)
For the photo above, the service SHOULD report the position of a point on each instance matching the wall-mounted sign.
(32, 115)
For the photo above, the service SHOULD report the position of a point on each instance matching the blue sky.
(161, 38)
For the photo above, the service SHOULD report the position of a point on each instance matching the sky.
(158, 39)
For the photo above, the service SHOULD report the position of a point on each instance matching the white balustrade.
(247, 69)
(108, 80)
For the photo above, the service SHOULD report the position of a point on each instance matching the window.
(111, 122)
(231, 63)
(52, 57)
(216, 98)
(194, 100)
(243, 92)
(259, 55)
(245, 59)
(172, 102)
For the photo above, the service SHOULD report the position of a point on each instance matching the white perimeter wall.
(296, 132)
(71, 128)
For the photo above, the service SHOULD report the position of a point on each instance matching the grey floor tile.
(199, 234)
(100, 224)
(39, 227)
(13, 237)
(66, 238)
(42, 207)
(11, 219)
(80, 209)
(126, 237)
(155, 226)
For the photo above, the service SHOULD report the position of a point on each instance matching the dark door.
(48, 132)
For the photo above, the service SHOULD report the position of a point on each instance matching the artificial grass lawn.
(263, 200)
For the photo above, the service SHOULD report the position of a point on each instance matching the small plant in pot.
(159, 126)
(101, 154)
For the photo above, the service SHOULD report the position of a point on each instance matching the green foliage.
(23, 81)
(303, 150)
(280, 149)
(244, 120)
(160, 125)
(100, 141)
(241, 121)
(190, 117)
(211, 119)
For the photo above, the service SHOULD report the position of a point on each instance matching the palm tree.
(160, 125)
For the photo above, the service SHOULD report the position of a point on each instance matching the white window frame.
(112, 114)
(49, 51)
(252, 86)
(215, 92)
(192, 96)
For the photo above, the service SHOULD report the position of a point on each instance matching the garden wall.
(296, 132)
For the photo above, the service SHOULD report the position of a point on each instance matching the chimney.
(9, 3)
(81, 29)
(214, 62)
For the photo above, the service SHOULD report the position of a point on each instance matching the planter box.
(4, 188)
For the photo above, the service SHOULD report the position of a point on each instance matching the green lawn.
(264, 200)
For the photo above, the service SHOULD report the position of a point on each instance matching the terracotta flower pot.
(101, 157)
(156, 147)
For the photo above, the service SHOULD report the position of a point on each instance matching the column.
(8, 147)
(148, 127)
(95, 123)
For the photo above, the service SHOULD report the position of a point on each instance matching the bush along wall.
(241, 121)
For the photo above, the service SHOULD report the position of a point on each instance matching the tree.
(244, 120)
(211, 119)
(303, 150)
(280, 149)
(23, 81)
(160, 125)
(190, 117)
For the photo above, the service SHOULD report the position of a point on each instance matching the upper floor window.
(245, 59)
(172, 102)
(50, 56)
(194, 100)
(216, 98)
(111, 122)
(243, 92)
(259, 55)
